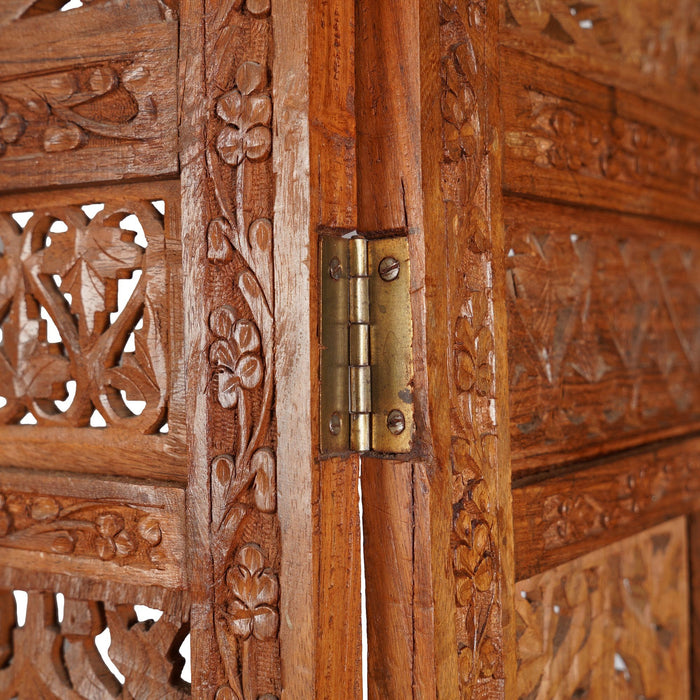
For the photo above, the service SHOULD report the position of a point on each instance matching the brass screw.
(389, 269)
(335, 268)
(396, 422)
(335, 423)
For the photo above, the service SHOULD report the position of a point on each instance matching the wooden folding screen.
(168, 169)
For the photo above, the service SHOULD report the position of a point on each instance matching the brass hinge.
(366, 345)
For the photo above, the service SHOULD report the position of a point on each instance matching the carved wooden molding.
(467, 138)
(611, 624)
(85, 524)
(237, 283)
(656, 39)
(597, 144)
(113, 115)
(567, 515)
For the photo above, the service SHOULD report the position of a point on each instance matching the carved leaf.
(64, 138)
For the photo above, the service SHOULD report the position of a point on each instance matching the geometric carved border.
(604, 331)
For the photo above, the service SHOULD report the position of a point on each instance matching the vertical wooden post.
(437, 547)
(406, 503)
(268, 160)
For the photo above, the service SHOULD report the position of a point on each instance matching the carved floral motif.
(247, 112)
(571, 518)
(239, 248)
(71, 277)
(255, 591)
(570, 137)
(125, 534)
(64, 111)
(465, 190)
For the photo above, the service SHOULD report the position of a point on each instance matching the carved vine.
(571, 518)
(122, 533)
(466, 139)
(569, 137)
(72, 276)
(239, 247)
(64, 111)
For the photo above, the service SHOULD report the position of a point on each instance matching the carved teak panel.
(166, 167)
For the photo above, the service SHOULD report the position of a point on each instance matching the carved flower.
(113, 540)
(458, 106)
(474, 349)
(236, 355)
(12, 126)
(255, 593)
(247, 112)
(473, 564)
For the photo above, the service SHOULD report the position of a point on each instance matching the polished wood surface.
(167, 168)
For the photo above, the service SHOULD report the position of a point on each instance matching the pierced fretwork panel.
(68, 346)
(54, 648)
(89, 289)
(611, 624)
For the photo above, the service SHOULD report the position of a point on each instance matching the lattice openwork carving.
(54, 647)
(71, 352)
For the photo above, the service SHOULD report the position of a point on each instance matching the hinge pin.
(360, 377)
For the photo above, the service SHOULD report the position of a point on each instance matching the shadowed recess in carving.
(83, 316)
(106, 650)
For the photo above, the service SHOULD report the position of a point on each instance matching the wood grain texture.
(566, 515)
(333, 207)
(573, 139)
(694, 583)
(410, 594)
(83, 99)
(613, 623)
(584, 380)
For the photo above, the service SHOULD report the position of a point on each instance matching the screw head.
(396, 422)
(335, 423)
(335, 268)
(389, 269)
